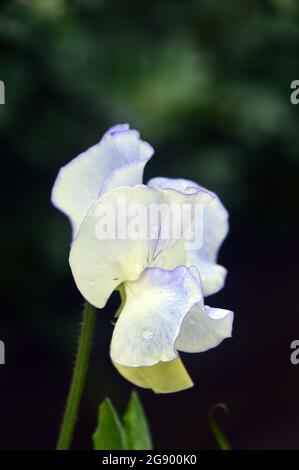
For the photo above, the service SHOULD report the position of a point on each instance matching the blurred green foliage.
(206, 80)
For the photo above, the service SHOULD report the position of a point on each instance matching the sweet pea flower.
(162, 283)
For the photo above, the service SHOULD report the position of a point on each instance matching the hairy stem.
(78, 379)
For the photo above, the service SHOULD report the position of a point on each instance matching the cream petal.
(215, 229)
(150, 322)
(99, 264)
(117, 159)
(164, 377)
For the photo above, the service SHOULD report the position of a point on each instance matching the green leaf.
(219, 435)
(109, 434)
(136, 427)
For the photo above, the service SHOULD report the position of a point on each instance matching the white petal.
(215, 229)
(212, 275)
(150, 322)
(118, 159)
(204, 328)
(100, 264)
(180, 184)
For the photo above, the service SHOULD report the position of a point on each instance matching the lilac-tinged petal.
(215, 229)
(150, 322)
(204, 328)
(117, 159)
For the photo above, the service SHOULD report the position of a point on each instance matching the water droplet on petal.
(164, 357)
(147, 334)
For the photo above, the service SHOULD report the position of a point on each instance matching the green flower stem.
(78, 379)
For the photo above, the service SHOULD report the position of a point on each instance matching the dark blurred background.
(208, 84)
